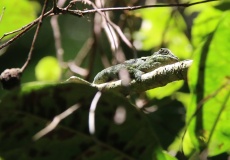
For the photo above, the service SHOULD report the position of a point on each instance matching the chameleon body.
(137, 67)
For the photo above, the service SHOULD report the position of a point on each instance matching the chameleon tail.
(78, 80)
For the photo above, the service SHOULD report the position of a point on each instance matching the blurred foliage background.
(199, 106)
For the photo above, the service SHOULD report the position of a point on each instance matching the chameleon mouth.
(175, 58)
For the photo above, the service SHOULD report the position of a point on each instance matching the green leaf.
(167, 119)
(210, 84)
(26, 111)
(167, 90)
(152, 27)
(224, 6)
(48, 69)
(16, 15)
(157, 30)
(205, 24)
(168, 156)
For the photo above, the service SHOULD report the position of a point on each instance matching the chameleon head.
(166, 52)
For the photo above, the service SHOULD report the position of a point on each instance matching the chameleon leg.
(105, 75)
(135, 73)
(101, 78)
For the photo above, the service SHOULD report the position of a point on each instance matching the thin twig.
(57, 119)
(25, 29)
(77, 70)
(100, 10)
(79, 13)
(3, 10)
(92, 112)
(61, 3)
(57, 33)
(82, 53)
(57, 39)
(117, 28)
(15, 31)
(107, 28)
(35, 37)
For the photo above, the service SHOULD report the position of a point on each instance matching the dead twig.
(35, 37)
(57, 119)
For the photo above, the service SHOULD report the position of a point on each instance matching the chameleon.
(137, 67)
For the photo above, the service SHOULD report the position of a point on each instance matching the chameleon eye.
(164, 51)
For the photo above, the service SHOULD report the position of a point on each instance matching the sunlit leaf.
(167, 90)
(157, 30)
(16, 15)
(201, 7)
(210, 83)
(153, 26)
(48, 69)
(205, 24)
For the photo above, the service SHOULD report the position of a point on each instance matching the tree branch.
(157, 78)
(184, 5)
(81, 13)
(35, 37)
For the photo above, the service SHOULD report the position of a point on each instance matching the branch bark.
(157, 78)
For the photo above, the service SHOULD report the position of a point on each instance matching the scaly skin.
(137, 67)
